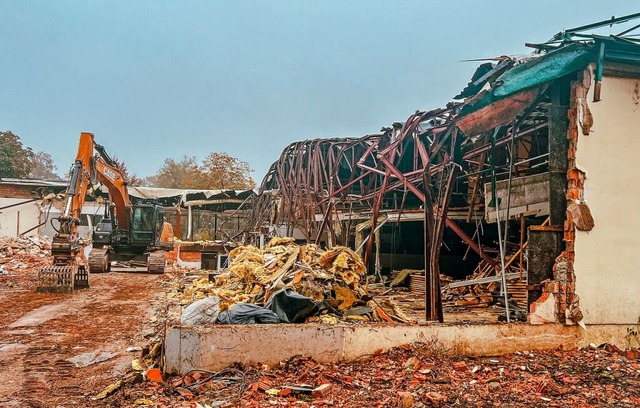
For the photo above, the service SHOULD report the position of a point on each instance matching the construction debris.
(23, 253)
(108, 390)
(333, 279)
(478, 294)
(413, 375)
(87, 359)
(203, 311)
(581, 216)
(247, 313)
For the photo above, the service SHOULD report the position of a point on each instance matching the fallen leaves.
(412, 376)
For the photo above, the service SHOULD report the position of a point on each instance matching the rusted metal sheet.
(497, 114)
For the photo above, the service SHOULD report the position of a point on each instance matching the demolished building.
(526, 182)
(529, 174)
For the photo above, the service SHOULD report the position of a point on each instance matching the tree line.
(215, 171)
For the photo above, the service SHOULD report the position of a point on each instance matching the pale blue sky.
(156, 79)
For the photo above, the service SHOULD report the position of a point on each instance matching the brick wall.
(568, 302)
(16, 191)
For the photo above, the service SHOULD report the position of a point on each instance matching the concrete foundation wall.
(529, 196)
(189, 347)
(607, 260)
(215, 347)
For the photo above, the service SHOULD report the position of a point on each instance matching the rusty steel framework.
(318, 186)
(441, 162)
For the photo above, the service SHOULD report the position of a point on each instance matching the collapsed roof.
(497, 128)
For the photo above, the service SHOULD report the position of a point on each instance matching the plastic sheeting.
(182, 196)
(247, 313)
(203, 311)
(290, 306)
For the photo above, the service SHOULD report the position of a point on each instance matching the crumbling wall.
(603, 173)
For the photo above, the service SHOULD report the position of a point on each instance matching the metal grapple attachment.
(62, 279)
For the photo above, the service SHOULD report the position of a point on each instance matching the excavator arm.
(89, 168)
(110, 177)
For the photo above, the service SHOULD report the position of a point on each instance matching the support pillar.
(558, 145)
(545, 243)
(189, 225)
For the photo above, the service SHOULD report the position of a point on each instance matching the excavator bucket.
(98, 261)
(156, 262)
(62, 279)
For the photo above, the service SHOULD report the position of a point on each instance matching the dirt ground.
(60, 350)
(39, 333)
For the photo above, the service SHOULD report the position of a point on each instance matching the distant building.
(194, 214)
(21, 204)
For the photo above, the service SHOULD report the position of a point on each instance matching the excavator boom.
(88, 168)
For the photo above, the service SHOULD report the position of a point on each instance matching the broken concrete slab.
(90, 358)
(41, 315)
(19, 332)
(11, 347)
(544, 310)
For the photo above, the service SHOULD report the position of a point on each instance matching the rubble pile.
(333, 279)
(485, 294)
(23, 253)
(415, 375)
(470, 296)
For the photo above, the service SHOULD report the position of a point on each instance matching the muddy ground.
(39, 333)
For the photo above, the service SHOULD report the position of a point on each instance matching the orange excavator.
(128, 232)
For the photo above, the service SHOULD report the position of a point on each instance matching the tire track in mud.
(106, 318)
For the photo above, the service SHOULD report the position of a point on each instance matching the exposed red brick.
(573, 194)
(550, 286)
(574, 174)
(575, 191)
(321, 390)
(569, 245)
(572, 116)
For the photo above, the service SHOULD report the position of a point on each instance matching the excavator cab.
(147, 228)
(143, 230)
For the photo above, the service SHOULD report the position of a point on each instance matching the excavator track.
(156, 262)
(98, 261)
